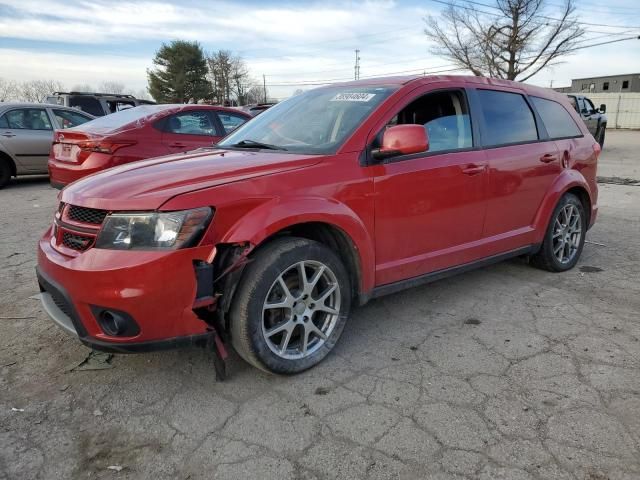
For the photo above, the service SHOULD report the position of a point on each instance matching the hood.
(147, 184)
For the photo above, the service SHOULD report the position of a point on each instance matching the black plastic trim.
(52, 287)
(145, 347)
(448, 272)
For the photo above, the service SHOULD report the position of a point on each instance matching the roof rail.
(96, 94)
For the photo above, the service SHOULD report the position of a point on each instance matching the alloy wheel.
(301, 310)
(567, 233)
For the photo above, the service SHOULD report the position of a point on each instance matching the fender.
(568, 179)
(282, 212)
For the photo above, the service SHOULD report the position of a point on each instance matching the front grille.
(76, 242)
(86, 215)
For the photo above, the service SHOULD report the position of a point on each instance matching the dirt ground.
(507, 372)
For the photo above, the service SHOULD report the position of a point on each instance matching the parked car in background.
(329, 199)
(135, 134)
(26, 133)
(96, 104)
(593, 117)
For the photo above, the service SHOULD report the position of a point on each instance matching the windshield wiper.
(253, 144)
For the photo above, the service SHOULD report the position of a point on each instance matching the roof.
(608, 76)
(35, 104)
(426, 79)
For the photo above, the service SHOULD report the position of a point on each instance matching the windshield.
(318, 121)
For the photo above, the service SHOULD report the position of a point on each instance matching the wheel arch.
(571, 181)
(327, 221)
(5, 157)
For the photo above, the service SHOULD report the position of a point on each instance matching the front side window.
(317, 121)
(26, 119)
(588, 106)
(69, 119)
(556, 119)
(230, 121)
(191, 123)
(445, 116)
(507, 118)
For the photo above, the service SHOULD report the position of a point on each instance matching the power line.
(444, 2)
(425, 72)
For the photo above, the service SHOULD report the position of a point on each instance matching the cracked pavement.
(507, 372)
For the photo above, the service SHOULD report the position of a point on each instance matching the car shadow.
(27, 180)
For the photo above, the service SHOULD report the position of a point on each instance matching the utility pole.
(264, 87)
(356, 68)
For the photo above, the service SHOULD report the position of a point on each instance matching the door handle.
(177, 145)
(8, 134)
(474, 169)
(548, 158)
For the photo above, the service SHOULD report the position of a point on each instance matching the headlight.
(154, 230)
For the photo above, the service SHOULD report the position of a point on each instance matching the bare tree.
(8, 90)
(229, 77)
(82, 87)
(255, 94)
(514, 43)
(36, 90)
(111, 87)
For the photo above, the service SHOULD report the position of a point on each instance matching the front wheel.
(291, 306)
(564, 238)
(5, 172)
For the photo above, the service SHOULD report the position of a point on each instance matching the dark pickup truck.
(595, 119)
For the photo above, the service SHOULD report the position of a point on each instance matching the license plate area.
(66, 152)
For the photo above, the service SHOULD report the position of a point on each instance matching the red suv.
(135, 134)
(326, 200)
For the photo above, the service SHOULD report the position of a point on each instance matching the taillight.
(103, 146)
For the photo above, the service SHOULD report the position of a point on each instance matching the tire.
(5, 172)
(268, 326)
(601, 136)
(564, 239)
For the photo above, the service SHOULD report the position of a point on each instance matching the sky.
(294, 44)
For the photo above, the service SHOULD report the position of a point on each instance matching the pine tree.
(180, 73)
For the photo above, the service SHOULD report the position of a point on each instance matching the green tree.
(180, 73)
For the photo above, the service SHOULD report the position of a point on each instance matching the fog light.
(115, 323)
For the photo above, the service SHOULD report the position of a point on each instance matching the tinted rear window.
(507, 118)
(556, 119)
(90, 105)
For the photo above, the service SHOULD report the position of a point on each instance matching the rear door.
(190, 129)
(27, 135)
(523, 163)
(430, 207)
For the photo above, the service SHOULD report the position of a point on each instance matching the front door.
(430, 207)
(27, 135)
(189, 130)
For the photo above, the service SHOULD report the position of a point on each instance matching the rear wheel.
(564, 238)
(291, 306)
(5, 172)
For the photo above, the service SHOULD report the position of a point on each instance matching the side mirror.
(402, 140)
(603, 108)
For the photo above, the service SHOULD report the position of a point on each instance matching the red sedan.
(135, 134)
(326, 200)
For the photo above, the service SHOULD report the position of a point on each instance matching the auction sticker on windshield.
(353, 97)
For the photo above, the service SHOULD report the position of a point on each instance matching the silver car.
(26, 133)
